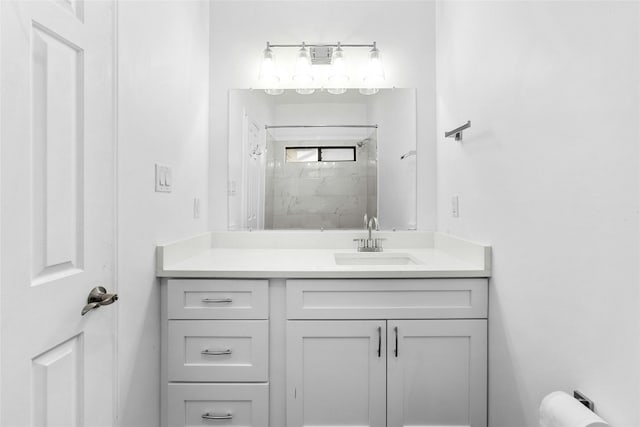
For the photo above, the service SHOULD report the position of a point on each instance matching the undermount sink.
(375, 258)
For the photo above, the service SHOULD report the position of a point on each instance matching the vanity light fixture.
(374, 73)
(269, 72)
(367, 90)
(303, 75)
(310, 55)
(274, 91)
(338, 77)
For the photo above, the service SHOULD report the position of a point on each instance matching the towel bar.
(457, 132)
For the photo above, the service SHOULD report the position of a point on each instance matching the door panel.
(335, 376)
(57, 385)
(437, 373)
(57, 204)
(56, 169)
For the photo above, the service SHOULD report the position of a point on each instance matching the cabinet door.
(437, 373)
(336, 373)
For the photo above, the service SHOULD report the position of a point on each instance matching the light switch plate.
(231, 188)
(164, 180)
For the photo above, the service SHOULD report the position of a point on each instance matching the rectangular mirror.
(322, 161)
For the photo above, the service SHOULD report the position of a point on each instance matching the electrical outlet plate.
(196, 208)
(455, 211)
(231, 188)
(164, 180)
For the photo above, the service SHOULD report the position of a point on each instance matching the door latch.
(97, 298)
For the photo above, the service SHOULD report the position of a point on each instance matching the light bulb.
(303, 74)
(338, 77)
(374, 72)
(268, 70)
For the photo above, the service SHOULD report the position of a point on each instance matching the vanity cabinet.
(215, 353)
(324, 352)
(421, 359)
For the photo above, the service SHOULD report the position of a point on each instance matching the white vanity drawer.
(218, 350)
(218, 299)
(387, 298)
(245, 405)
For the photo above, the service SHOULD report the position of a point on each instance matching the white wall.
(548, 174)
(163, 117)
(404, 30)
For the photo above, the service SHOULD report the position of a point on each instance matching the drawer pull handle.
(396, 349)
(217, 300)
(379, 341)
(210, 416)
(215, 352)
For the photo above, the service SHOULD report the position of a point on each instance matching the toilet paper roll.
(558, 409)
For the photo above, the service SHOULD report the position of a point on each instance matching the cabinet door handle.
(210, 416)
(395, 329)
(379, 341)
(215, 352)
(217, 300)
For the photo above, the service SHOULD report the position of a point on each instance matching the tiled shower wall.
(314, 195)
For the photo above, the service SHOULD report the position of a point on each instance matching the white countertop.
(310, 254)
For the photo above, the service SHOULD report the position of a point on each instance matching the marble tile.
(297, 221)
(342, 186)
(324, 194)
(351, 221)
(372, 186)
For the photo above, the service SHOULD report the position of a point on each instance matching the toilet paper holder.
(584, 400)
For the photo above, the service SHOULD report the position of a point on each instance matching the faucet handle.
(366, 221)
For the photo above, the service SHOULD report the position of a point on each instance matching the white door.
(336, 373)
(57, 212)
(437, 373)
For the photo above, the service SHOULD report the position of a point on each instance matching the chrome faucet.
(373, 221)
(370, 244)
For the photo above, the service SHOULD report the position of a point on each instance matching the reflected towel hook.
(255, 152)
(457, 132)
(408, 154)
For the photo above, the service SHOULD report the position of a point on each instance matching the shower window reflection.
(320, 154)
